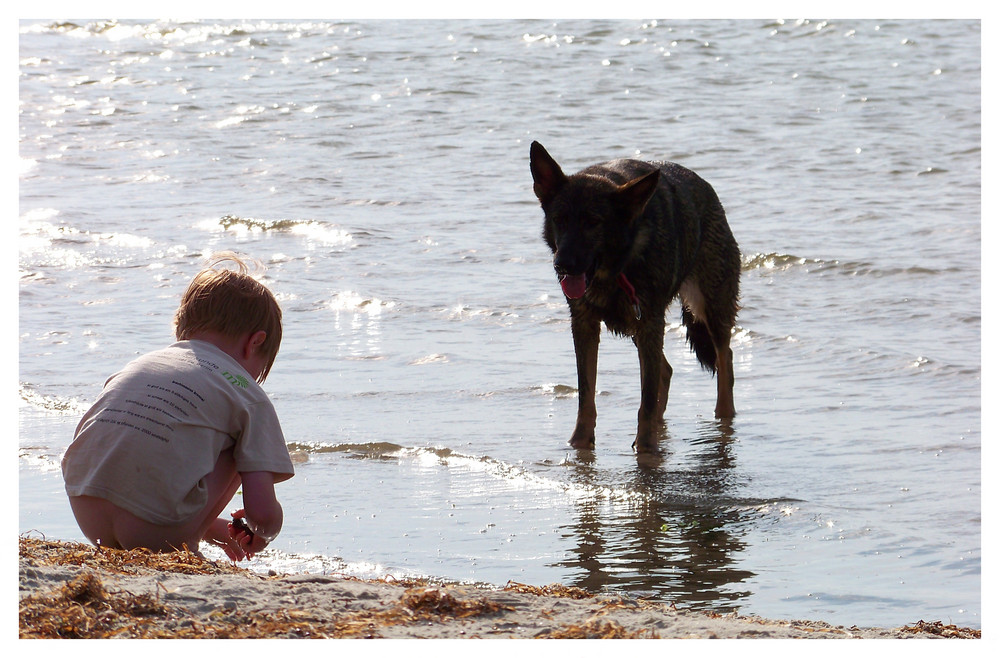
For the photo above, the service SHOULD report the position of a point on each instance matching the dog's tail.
(700, 340)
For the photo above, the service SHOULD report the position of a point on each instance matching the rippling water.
(426, 383)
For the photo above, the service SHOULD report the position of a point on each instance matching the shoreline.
(67, 589)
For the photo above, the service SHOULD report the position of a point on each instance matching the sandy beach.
(70, 590)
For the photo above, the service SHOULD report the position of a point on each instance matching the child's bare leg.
(106, 524)
(222, 485)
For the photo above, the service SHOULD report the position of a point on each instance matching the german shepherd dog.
(627, 238)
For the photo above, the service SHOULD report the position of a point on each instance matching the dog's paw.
(646, 444)
(582, 442)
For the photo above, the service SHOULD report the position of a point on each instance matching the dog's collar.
(626, 285)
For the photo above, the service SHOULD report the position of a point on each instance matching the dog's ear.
(635, 194)
(546, 172)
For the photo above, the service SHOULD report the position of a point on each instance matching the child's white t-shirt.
(159, 426)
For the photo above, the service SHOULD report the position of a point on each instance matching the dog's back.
(681, 236)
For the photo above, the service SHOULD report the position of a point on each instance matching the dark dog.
(628, 237)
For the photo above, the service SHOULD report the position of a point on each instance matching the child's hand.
(248, 542)
(240, 532)
(239, 525)
(219, 535)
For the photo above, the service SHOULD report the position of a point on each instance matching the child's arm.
(262, 511)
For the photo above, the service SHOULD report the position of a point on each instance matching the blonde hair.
(232, 302)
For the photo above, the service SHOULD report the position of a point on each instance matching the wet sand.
(75, 590)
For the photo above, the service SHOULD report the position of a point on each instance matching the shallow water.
(426, 382)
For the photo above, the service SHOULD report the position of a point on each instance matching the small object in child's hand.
(241, 524)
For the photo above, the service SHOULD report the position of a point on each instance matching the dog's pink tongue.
(574, 286)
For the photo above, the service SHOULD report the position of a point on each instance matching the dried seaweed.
(430, 602)
(83, 608)
(134, 561)
(596, 629)
(944, 630)
(555, 589)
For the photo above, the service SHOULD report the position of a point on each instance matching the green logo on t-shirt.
(236, 380)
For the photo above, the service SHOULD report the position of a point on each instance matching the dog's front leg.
(586, 339)
(665, 373)
(655, 382)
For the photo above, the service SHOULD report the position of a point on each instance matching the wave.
(316, 231)
(511, 474)
(567, 481)
(374, 450)
(312, 567)
(557, 390)
(463, 312)
(358, 303)
(175, 32)
(430, 358)
(771, 261)
(38, 236)
(50, 404)
(352, 302)
(775, 262)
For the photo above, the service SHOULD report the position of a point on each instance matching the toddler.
(173, 435)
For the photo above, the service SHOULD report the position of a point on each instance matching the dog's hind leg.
(724, 407)
(709, 325)
(586, 340)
